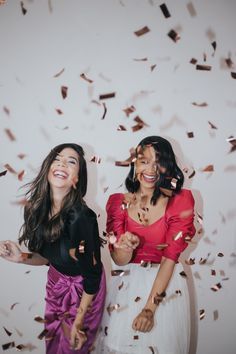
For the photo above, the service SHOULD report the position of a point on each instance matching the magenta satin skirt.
(63, 294)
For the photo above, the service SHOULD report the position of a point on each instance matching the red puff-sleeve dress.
(131, 284)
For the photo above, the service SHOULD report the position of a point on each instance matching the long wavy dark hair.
(166, 158)
(39, 204)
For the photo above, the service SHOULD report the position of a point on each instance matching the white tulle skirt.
(127, 295)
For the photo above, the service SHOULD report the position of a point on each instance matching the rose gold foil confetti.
(137, 299)
(111, 308)
(213, 272)
(8, 345)
(23, 9)
(105, 330)
(204, 57)
(201, 314)
(119, 272)
(142, 31)
(162, 246)
(212, 126)
(10, 169)
(81, 246)
(229, 62)
(178, 292)
(39, 319)
(13, 305)
(220, 254)
(214, 47)
(136, 337)
(59, 73)
(42, 334)
(121, 285)
(105, 110)
(59, 111)
(183, 274)
(6, 110)
(64, 90)
(21, 347)
(208, 168)
(152, 350)
(10, 135)
(203, 67)
(203, 104)
(141, 59)
(233, 75)
(216, 287)
(232, 141)
(193, 61)
(21, 175)
(121, 128)
(190, 134)
(215, 315)
(7, 332)
(129, 110)
(3, 173)
(190, 261)
(222, 273)
(192, 174)
(152, 67)
(21, 156)
(107, 96)
(191, 9)
(173, 35)
(165, 10)
(95, 159)
(28, 271)
(178, 236)
(83, 76)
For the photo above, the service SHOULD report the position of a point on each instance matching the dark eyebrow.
(69, 157)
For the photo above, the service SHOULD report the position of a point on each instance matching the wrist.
(24, 257)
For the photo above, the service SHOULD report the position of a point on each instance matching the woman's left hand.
(77, 336)
(144, 321)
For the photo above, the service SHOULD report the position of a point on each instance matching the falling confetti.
(3, 173)
(191, 9)
(165, 10)
(23, 9)
(142, 31)
(203, 67)
(10, 135)
(173, 35)
(208, 168)
(129, 110)
(95, 159)
(105, 110)
(107, 96)
(201, 314)
(64, 90)
(216, 287)
(83, 76)
(59, 73)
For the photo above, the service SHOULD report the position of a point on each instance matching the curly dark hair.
(166, 159)
(39, 204)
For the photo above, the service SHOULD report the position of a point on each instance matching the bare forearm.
(121, 257)
(32, 259)
(161, 282)
(85, 303)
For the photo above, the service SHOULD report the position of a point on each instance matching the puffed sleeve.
(115, 214)
(84, 238)
(179, 218)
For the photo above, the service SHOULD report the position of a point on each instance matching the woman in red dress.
(147, 307)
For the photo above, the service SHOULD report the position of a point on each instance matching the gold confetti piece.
(21, 347)
(213, 272)
(208, 168)
(10, 169)
(121, 128)
(107, 96)
(111, 308)
(8, 345)
(183, 274)
(10, 135)
(119, 272)
(215, 315)
(136, 337)
(190, 134)
(21, 175)
(59, 73)
(233, 75)
(105, 331)
(216, 287)
(39, 319)
(224, 279)
(191, 9)
(95, 159)
(220, 254)
(203, 104)
(214, 47)
(165, 10)
(222, 273)
(142, 59)
(64, 90)
(23, 9)
(178, 292)
(212, 125)
(201, 314)
(21, 156)
(162, 246)
(83, 76)
(229, 62)
(129, 110)
(105, 110)
(7, 332)
(190, 261)
(137, 299)
(203, 67)
(121, 285)
(59, 111)
(178, 236)
(173, 35)
(13, 305)
(3, 173)
(142, 31)
(152, 350)
(28, 271)
(152, 67)
(42, 334)
(145, 264)
(6, 110)
(193, 61)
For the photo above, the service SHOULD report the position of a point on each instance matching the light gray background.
(97, 38)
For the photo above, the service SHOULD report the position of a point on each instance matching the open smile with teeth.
(60, 174)
(149, 178)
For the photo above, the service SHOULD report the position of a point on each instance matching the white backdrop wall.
(97, 38)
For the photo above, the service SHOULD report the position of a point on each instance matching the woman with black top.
(61, 231)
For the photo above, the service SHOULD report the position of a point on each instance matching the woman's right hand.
(10, 251)
(127, 241)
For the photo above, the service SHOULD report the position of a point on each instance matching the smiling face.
(64, 170)
(147, 168)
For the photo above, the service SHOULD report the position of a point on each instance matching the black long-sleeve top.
(80, 233)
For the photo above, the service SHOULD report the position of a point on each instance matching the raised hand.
(10, 251)
(127, 242)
